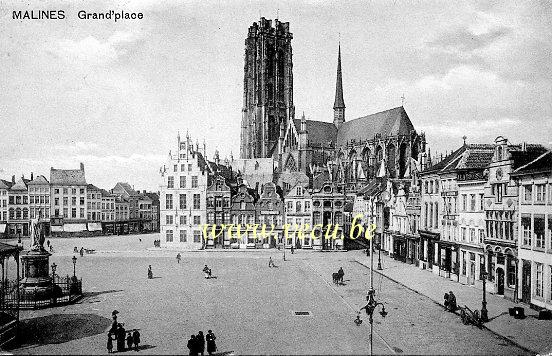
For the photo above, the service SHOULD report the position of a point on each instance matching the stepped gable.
(390, 122)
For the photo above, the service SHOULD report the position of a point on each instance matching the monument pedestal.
(37, 279)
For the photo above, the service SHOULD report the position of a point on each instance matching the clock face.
(499, 174)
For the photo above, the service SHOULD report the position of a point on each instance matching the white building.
(535, 237)
(183, 197)
(298, 212)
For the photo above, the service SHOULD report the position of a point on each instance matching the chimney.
(82, 166)
(144, 191)
(13, 179)
(32, 177)
(524, 146)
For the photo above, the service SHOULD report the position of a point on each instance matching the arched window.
(298, 207)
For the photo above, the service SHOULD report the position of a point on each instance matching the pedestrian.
(129, 340)
(136, 339)
(192, 346)
(178, 257)
(109, 343)
(200, 339)
(270, 262)
(75, 249)
(452, 301)
(207, 272)
(292, 249)
(150, 273)
(114, 323)
(82, 251)
(211, 345)
(48, 243)
(121, 333)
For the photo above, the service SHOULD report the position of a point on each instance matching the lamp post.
(74, 266)
(54, 266)
(484, 312)
(379, 255)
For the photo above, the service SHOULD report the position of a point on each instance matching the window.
(31, 199)
(81, 200)
(307, 206)
(197, 201)
(168, 201)
(183, 236)
(550, 235)
(74, 212)
(197, 236)
(189, 167)
(538, 227)
(436, 221)
(539, 288)
(169, 235)
(65, 213)
(82, 190)
(56, 191)
(498, 191)
(175, 168)
(65, 191)
(527, 193)
(82, 213)
(481, 235)
(74, 200)
(169, 219)
(73, 191)
(511, 270)
(194, 181)
(182, 181)
(472, 202)
(170, 182)
(298, 191)
(539, 193)
(464, 202)
(463, 263)
(182, 201)
(298, 207)
(481, 202)
(197, 220)
(472, 235)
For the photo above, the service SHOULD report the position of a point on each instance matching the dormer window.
(499, 153)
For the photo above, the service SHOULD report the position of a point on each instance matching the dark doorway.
(500, 281)
(526, 282)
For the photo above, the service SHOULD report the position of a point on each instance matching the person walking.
(178, 257)
(136, 339)
(207, 272)
(192, 346)
(82, 251)
(271, 262)
(200, 339)
(121, 333)
(211, 345)
(150, 272)
(452, 302)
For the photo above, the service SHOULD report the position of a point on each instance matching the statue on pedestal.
(37, 233)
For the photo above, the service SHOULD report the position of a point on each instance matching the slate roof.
(20, 184)
(93, 187)
(4, 184)
(127, 188)
(319, 132)
(541, 164)
(387, 123)
(521, 157)
(67, 177)
(39, 180)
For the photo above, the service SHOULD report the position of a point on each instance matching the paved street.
(249, 306)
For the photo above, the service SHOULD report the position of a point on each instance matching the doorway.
(500, 281)
(526, 282)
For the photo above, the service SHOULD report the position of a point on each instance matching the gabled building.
(270, 212)
(4, 210)
(218, 208)
(328, 204)
(94, 207)
(243, 212)
(18, 202)
(534, 180)
(108, 215)
(39, 200)
(501, 214)
(126, 191)
(298, 212)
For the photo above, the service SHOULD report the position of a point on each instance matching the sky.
(114, 95)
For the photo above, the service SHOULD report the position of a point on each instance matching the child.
(109, 343)
(136, 339)
(129, 341)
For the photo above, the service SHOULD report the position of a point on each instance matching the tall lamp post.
(484, 312)
(372, 302)
(379, 255)
(74, 267)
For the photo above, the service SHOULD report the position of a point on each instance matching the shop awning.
(2, 228)
(74, 227)
(95, 226)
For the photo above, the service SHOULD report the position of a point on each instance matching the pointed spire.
(303, 123)
(339, 103)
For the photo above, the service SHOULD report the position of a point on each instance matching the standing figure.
(211, 345)
(150, 273)
(178, 257)
(452, 302)
(136, 339)
(207, 272)
(200, 339)
(129, 340)
(109, 343)
(271, 262)
(341, 274)
(192, 346)
(82, 251)
(37, 235)
(446, 300)
(121, 333)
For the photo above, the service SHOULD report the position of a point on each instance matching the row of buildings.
(69, 206)
(483, 212)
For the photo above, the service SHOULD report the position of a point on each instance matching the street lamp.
(484, 312)
(379, 255)
(74, 266)
(54, 266)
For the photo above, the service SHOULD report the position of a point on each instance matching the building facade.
(535, 238)
(298, 212)
(218, 208)
(270, 212)
(18, 201)
(39, 201)
(243, 212)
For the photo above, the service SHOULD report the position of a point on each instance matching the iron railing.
(65, 290)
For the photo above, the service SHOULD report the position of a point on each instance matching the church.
(350, 152)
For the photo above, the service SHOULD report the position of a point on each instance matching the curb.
(457, 313)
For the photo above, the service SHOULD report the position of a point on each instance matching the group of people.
(450, 302)
(207, 272)
(156, 243)
(196, 343)
(81, 251)
(338, 276)
(118, 334)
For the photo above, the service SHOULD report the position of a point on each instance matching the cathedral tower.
(267, 87)
(339, 104)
